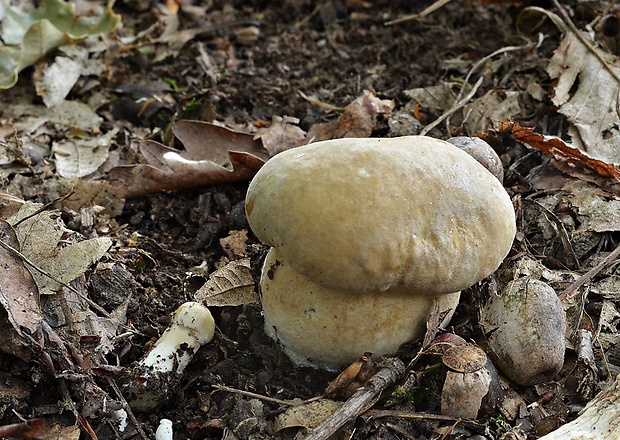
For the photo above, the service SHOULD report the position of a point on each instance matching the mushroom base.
(326, 328)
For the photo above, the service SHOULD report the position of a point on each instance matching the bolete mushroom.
(357, 223)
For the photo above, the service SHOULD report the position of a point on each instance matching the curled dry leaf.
(356, 121)
(212, 154)
(352, 378)
(569, 159)
(18, 292)
(39, 235)
(232, 285)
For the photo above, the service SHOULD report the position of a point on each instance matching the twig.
(254, 395)
(590, 274)
(392, 370)
(127, 408)
(432, 8)
(585, 42)
(457, 105)
(377, 414)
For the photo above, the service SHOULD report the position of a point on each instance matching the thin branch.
(590, 274)
(432, 8)
(21, 256)
(392, 371)
(255, 395)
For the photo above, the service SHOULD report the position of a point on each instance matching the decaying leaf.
(356, 121)
(308, 415)
(77, 157)
(39, 236)
(94, 192)
(212, 154)
(587, 94)
(597, 210)
(577, 161)
(495, 105)
(352, 378)
(235, 244)
(18, 292)
(54, 82)
(69, 114)
(232, 285)
(282, 134)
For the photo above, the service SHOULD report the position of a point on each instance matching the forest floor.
(279, 75)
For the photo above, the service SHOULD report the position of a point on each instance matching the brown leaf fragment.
(203, 140)
(356, 121)
(30, 429)
(352, 378)
(307, 415)
(94, 192)
(18, 292)
(562, 152)
(282, 134)
(212, 154)
(232, 285)
(235, 244)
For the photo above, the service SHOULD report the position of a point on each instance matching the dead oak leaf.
(39, 235)
(212, 154)
(356, 121)
(18, 292)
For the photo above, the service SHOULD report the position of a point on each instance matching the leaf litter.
(196, 183)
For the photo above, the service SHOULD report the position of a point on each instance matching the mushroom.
(482, 152)
(525, 328)
(322, 327)
(191, 327)
(359, 223)
(472, 387)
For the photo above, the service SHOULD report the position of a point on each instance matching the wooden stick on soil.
(391, 371)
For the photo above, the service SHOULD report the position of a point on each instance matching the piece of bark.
(391, 371)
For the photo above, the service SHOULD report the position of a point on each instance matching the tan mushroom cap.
(325, 328)
(374, 214)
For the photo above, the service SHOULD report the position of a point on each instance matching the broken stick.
(391, 371)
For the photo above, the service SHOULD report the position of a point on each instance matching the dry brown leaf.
(94, 192)
(586, 92)
(232, 285)
(235, 244)
(39, 236)
(18, 292)
(352, 378)
(282, 134)
(578, 163)
(356, 121)
(212, 154)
